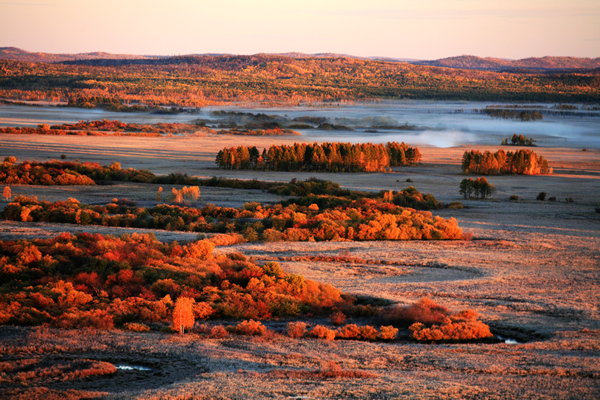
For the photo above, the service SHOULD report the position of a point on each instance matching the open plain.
(531, 270)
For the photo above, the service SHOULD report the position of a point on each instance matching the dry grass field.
(532, 271)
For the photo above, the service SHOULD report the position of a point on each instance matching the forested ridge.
(194, 81)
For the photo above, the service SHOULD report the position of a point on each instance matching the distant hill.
(499, 64)
(197, 81)
(335, 55)
(16, 54)
(549, 64)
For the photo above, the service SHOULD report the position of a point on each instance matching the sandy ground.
(532, 271)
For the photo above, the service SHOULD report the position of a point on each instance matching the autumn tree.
(183, 314)
(7, 194)
(478, 188)
(466, 187)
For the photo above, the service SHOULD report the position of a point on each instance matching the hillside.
(16, 54)
(196, 81)
(550, 64)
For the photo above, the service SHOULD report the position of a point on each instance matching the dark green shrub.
(455, 205)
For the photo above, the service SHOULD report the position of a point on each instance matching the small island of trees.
(513, 114)
(478, 188)
(521, 162)
(518, 140)
(332, 157)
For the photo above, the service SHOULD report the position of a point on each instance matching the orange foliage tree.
(183, 314)
(7, 194)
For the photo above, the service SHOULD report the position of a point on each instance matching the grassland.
(530, 270)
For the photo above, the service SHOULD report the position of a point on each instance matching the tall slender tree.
(183, 314)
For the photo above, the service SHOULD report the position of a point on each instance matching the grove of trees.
(334, 157)
(519, 140)
(522, 162)
(478, 188)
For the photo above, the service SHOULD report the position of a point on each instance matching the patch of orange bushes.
(469, 330)
(66, 173)
(90, 280)
(433, 322)
(334, 219)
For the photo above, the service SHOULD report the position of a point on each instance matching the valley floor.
(532, 271)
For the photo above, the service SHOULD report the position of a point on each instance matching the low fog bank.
(432, 123)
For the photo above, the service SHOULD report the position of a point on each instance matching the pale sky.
(421, 29)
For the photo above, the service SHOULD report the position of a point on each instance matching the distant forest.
(196, 81)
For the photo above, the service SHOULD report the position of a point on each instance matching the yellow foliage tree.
(183, 314)
(7, 194)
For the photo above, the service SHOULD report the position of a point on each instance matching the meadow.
(528, 267)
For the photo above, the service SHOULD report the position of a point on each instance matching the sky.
(414, 29)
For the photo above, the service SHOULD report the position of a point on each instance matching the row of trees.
(524, 162)
(513, 114)
(335, 157)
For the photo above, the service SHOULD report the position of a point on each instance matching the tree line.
(513, 114)
(333, 157)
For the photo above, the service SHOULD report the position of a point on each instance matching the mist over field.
(438, 124)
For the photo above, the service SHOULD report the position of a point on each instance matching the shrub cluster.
(309, 218)
(335, 157)
(118, 128)
(67, 173)
(469, 330)
(48, 173)
(99, 281)
(522, 162)
(433, 322)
